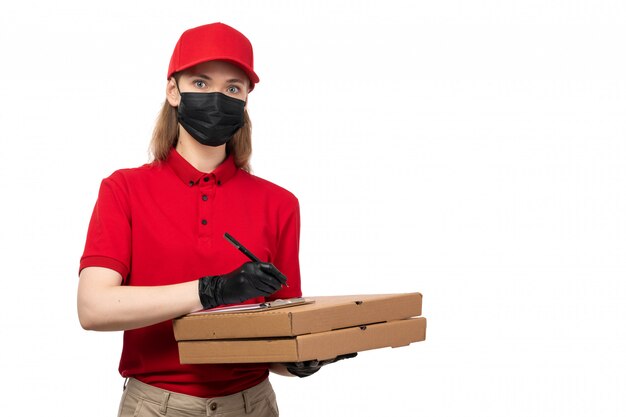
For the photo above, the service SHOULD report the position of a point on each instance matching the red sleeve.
(287, 250)
(109, 233)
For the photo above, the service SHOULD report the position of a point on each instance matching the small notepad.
(268, 305)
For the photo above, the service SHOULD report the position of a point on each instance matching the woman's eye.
(199, 84)
(233, 90)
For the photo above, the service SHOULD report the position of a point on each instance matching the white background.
(469, 150)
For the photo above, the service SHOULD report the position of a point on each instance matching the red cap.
(215, 41)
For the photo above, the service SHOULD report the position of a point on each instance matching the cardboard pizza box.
(322, 328)
(323, 345)
(321, 314)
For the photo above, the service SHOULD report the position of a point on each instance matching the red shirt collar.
(190, 175)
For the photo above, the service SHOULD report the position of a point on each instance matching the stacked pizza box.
(320, 328)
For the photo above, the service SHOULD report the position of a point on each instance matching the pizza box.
(319, 314)
(322, 345)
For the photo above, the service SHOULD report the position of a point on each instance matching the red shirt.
(163, 223)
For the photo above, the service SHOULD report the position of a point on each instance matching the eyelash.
(202, 84)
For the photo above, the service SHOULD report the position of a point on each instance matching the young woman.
(155, 248)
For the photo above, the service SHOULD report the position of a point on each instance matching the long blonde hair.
(165, 136)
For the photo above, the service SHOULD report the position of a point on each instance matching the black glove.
(307, 368)
(250, 280)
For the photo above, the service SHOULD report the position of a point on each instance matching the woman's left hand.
(308, 368)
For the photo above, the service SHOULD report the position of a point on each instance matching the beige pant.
(143, 400)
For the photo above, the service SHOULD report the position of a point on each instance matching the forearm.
(280, 369)
(106, 307)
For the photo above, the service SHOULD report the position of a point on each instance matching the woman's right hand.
(250, 280)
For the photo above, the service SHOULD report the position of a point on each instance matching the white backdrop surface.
(471, 151)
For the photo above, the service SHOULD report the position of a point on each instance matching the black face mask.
(210, 118)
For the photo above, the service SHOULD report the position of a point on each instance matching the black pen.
(245, 251)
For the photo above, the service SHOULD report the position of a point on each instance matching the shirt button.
(204, 222)
(205, 197)
(213, 406)
(206, 179)
(219, 182)
(191, 183)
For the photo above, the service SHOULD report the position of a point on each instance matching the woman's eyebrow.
(206, 77)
